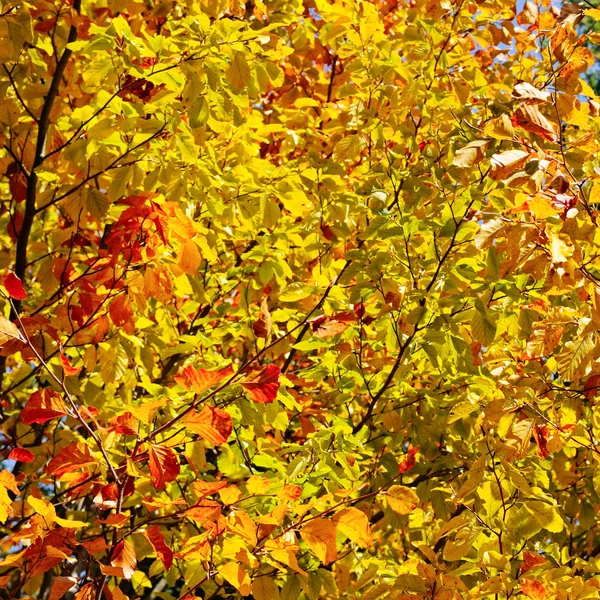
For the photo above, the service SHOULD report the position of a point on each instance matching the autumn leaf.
(200, 380)
(402, 500)
(526, 92)
(189, 257)
(529, 117)
(238, 74)
(530, 561)
(21, 455)
(320, 535)
(534, 589)
(68, 368)
(237, 576)
(124, 558)
(262, 326)
(212, 424)
(157, 540)
(354, 524)
(409, 462)
(163, 464)
(86, 592)
(591, 386)
(60, 586)
(471, 154)
(505, 163)
(8, 331)
(262, 383)
(42, 406)
(14, 287)
(71, 458)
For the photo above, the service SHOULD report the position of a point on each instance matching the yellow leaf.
(237, 577)
(238, 74)
(189, 258)
(70, 524)
(505, 163)
(542, 207)
(8, 331)
(319, 535)
(265, 588)
(402, 500)
(42, 508)
(560, 250)
(354, 524)
(546, 515)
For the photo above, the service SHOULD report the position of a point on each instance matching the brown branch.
(32, 180)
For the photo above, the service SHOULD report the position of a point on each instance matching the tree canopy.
(300, 300)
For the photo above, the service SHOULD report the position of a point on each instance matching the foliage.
(300, 300)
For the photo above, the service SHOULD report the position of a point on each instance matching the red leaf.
(124, 557)
(21, 455)
(125, 424)
(71, 458)
(42, 406)
(213, 424)
(541, 437)
(201, 380)
(590, 388)
(107, 497)
(164, 465)
(14, 287)
(155, 537)
(121, 313)
(68, 368)
(409, 462)
(262, 383)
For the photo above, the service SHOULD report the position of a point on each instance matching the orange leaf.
(530, 561)
(71, 458)
(533, 589)
(354, 524)
(529, 117)
(155, 537)
(239, 522)
(21, 455)
(14, 287)
(201, 380)
(290, 492)
(591, 386)
(60, 586)
(319, 535)
(212, 424)
(68, 368)
(207, 488)
(121, 313)
(124, 558)
(164, 465)
(189, 258)
(42, 406)
(262, 383)
(87, 592)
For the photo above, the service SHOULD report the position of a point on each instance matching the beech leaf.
(262, 383)
(212, 424)
(163, 464)
(320, 536)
